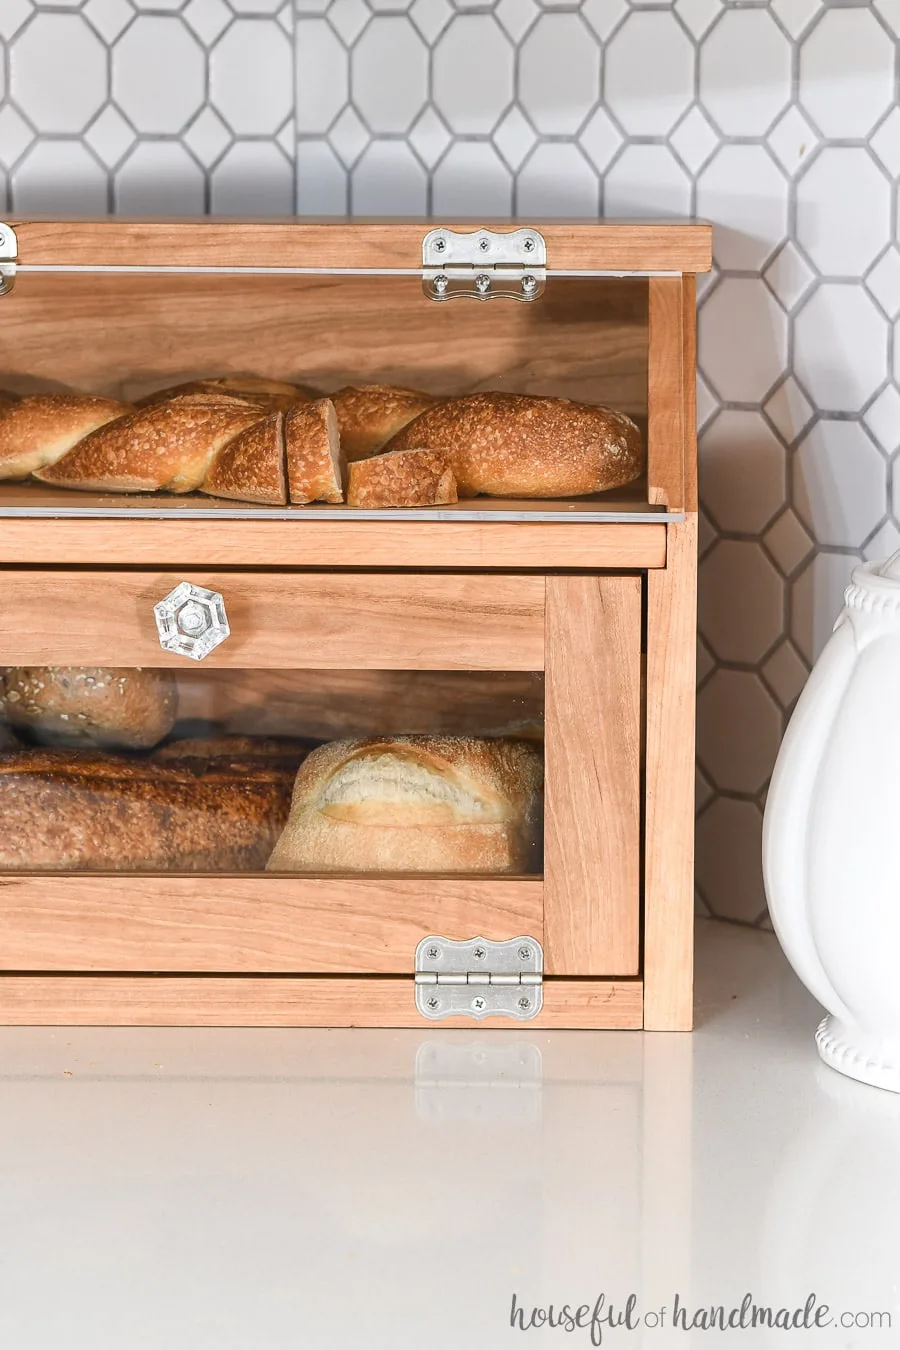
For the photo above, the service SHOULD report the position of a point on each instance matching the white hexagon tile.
(776, 121)
(149, 107)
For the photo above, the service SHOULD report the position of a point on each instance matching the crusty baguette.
(165, 447)
(273, 395)
(517, 445)
(370, 414)
(315, 460)
(89, 705)
(401, 478)
(91, 810)
(39, 429)
(415, 804)
(251, 467)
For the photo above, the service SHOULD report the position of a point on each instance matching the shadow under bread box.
(279, 762)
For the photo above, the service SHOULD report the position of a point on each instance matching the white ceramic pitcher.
(831, 840)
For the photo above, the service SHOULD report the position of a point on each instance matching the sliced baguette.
(251, 468)
(39, 429)
(315, 461)
(402, 478)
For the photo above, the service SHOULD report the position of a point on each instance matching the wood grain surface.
(592, 758)
(304, 1001)
(627, 245)
(307, 620)
(251, 923)
(669, 828)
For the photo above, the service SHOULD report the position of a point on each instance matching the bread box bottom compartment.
(229, 924)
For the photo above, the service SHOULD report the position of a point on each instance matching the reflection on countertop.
(332, 1189)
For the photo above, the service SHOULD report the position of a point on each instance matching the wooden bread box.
(580, 614)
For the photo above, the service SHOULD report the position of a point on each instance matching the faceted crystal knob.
(191, 621)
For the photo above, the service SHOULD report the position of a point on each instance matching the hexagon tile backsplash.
(777, 121)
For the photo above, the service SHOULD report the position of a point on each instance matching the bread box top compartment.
(120, 310)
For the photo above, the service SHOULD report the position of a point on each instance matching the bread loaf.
(272, 395)
(89, 705)
(370, 414)
(251, 467)
(38, 430)
(165, 447)
(315, 460)
(401, 478)
(516, 445)
(415, 804)
(90, 810)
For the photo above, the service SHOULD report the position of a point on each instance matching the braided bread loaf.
(236, 445)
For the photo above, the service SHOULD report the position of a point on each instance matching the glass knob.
(191, 621)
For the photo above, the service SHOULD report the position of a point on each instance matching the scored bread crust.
(39, 429)
(313, 454)
(370, 414)
(415, 804)
(273, 395)
(520, 445)
(251, 467)
(89, 705)
(165, 447)
(402, 478)
(90, 810)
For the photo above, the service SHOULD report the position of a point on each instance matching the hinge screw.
(482, 282)
(432, 953)
(479, 1004)
(440, 284)
(484, 245)
(525, 953)
(528, 244)
(440, 245)
(479, 953)
(529, 284)
(433, 1003)
(524, 1004)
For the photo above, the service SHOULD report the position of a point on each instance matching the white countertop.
(286, 1190)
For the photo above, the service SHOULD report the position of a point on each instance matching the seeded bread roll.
(251, 467)
(370, 414)
(273, 395)
(516, 445)
(90, 810)
(89, 705)
(166, 447)
(402, 478)
(415, 804)
(315, 460)
(38, 430)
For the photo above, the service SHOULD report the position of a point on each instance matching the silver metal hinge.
(9, 251)
(483, 264)
(478, 978)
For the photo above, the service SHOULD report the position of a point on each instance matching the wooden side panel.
(665, 393)
(592, 801)
(304, 1001)
(312, 621)
(669, 843)
(254, 924)
(689, 352)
